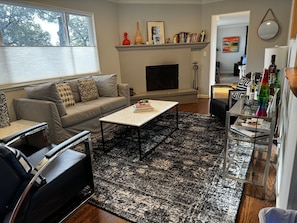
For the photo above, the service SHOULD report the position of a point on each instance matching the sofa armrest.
(39, 111)
(125, 92)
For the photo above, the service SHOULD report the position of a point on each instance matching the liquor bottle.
(252, 87)
(272, 75)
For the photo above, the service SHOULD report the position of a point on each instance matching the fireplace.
(162, 77)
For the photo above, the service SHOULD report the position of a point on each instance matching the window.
(49, 43)
(29, 26)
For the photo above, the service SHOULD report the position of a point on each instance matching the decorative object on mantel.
(138, 37)
(126, 41)
(202, 36)
(155, 32)
(4, 116)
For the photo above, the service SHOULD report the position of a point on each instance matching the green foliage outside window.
(29, 26)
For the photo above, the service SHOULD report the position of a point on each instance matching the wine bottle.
(272, 75)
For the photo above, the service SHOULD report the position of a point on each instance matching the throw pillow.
(243, 83)
(66, 94)
(107, 85)
(21, 164)
(74, 88)
(46, 91)
(87, 89)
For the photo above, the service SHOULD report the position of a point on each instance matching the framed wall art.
(155, 32)
(231, 44)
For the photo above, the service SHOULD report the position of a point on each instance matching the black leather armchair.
(43, 184)
(219, 105)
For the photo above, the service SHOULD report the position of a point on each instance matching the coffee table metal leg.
(139, 143)
(176, 109)
(102, 136)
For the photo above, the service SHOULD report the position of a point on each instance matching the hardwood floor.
(250, 205)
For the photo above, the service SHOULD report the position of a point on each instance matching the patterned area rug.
(179, 181)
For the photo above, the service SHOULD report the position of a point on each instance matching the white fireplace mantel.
(192, 46)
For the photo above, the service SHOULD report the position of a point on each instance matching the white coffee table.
(137, 120)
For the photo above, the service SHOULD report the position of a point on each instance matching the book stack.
(251, 127)
(142, 106)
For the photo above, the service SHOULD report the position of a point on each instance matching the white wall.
(228, 59)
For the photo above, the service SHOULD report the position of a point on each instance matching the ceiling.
(164, 1)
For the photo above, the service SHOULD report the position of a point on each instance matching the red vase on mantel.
(126, 41)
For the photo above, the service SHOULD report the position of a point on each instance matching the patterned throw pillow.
(66, 94)
(87, 89)
(21, 164)
(242, 85)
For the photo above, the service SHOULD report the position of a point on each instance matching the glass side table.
(248, 144)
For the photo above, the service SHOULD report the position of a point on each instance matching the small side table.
(15, 127)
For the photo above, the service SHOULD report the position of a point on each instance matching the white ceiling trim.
(182, 2)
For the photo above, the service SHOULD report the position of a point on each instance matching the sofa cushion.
(74, 88)
(84, 111)
(107, 85)
(87, 89)
(48, 92)
(66, 94)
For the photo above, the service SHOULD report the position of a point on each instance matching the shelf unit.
(247, 157)
(192, 46)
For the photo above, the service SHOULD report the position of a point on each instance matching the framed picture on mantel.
(155, 32)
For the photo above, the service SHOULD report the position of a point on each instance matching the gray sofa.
(70, 106)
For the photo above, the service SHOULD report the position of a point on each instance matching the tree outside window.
(28, 26)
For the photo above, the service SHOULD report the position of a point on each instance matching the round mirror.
(268, 29)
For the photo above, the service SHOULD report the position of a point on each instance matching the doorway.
(223, 63)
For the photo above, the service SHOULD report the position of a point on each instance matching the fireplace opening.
(162, 77)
